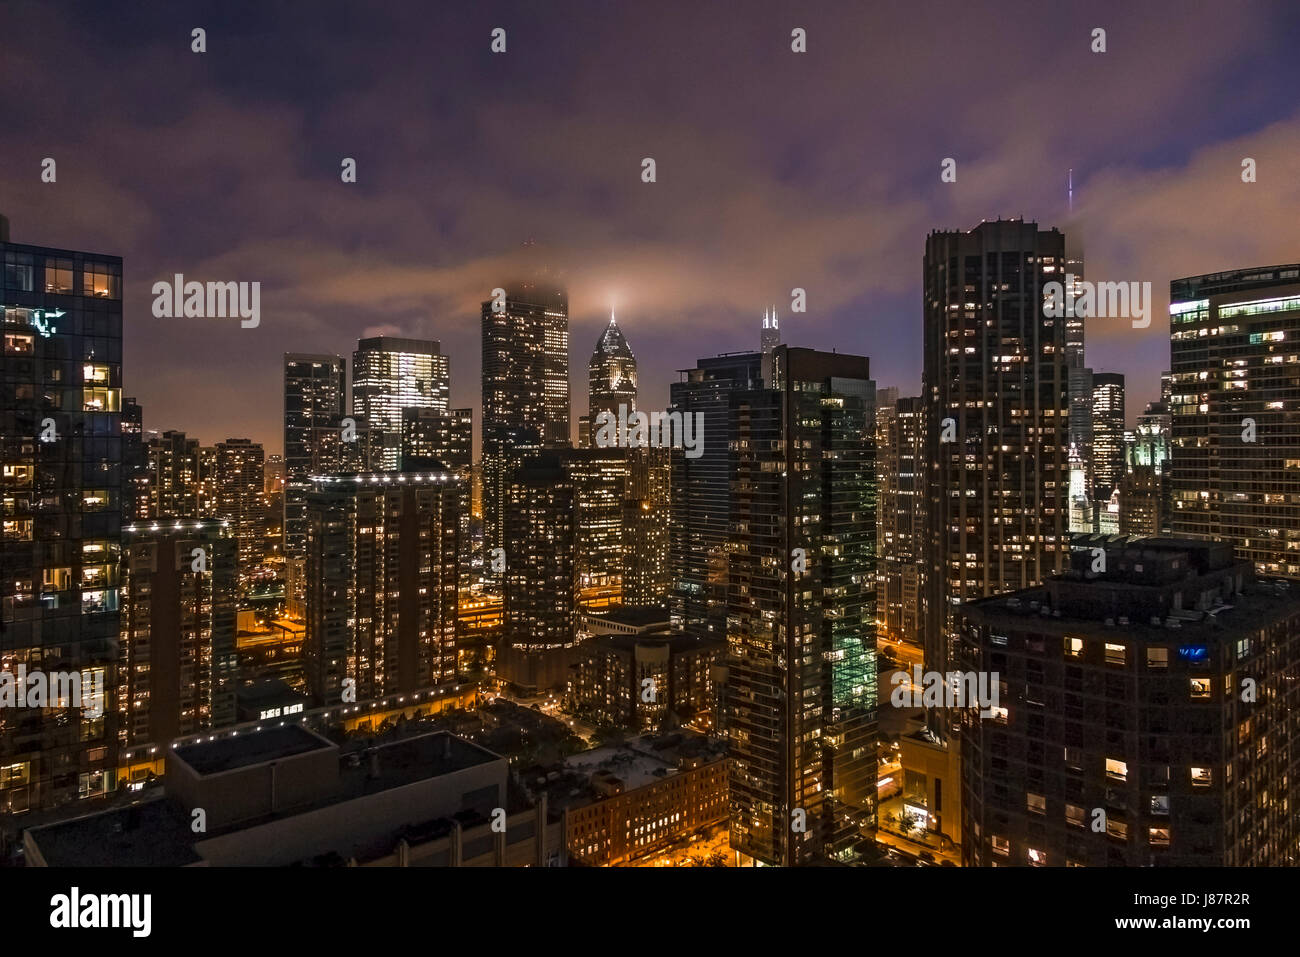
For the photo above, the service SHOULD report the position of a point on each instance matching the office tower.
(995, 385)
(429, 435)
(1078, 376)
(701, 492)
(599, 478)
(381, 575)
(900, 531)
(178, 668)
(647, 512)
(611, 378)
(1150, 447)
(314, 406)
(768, 340)
(389, 375)
(174, 462)
(239, 496)
(541, 577)
(525, 387)
(1080, 431)
(1107, 432)
(800, 700)
(1125, 731)
(61, 474)
(1236, 450)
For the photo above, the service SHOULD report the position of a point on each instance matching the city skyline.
(742, 212)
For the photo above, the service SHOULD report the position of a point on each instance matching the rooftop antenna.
(1069, 188)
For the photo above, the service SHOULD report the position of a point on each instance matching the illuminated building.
(647, 512)
(61, 478)
(389, 375)
(701, 493)
(611, 377)
(1107, 432)
(800, 701)
(541, 579)
(209, 481)
(1147, 715)
(314, 404)
(900, 531)
(1141, 505)
(178, 666)
(623, 804)
(174, 461)
(240, 500)
(768, 340)
(995, 383)
(525, 354)
(381, 574)
(1235, 342)
(609, 679)
(430, 435)
(137, 478)
(599, 477)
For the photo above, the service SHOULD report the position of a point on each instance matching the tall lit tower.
(768, 341)
(525, 386)
(389, 375)
(611, 376)
(995, 383)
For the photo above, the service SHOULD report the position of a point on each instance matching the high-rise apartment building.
(647, 513)
(240, 499)
(429, 435)
(800, 701)
(389, 375)
(61, 477)
(900, 530)
(1236, 446)
(178, 667)
(701, 492)
(174, 461)
(314, 404)
(1147, 715)
(525, 387)
(996, 389)
(1107, 433)
(381, 573)
(599, 477)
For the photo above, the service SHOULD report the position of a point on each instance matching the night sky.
(775, 169)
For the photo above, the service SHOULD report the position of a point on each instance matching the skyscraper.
(647, 514)
(174, 461)
(1236, 450)
(61, 473)
(178, 665)
(1123, 734)
(525, 386)
(389, 375)
(611, 377)
(541, 577)
(1107, 432)
(900, 532)
(768, 340)
(995, 385)
(382, 577)
(314, 404)
(701, 492)
(240, 499)
(800, 614)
